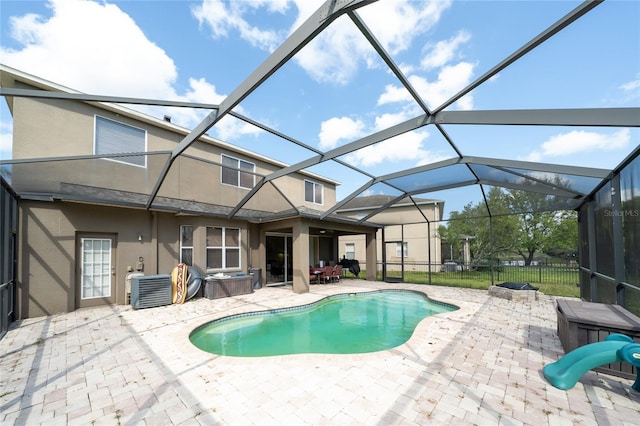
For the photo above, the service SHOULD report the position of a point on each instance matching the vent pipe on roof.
(167, 118)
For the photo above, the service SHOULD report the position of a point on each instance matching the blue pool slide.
(565, 373)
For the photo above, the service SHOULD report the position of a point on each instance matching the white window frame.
(399, 248)
(351, 252)
(223, 248)
(240, 171)
(124, 142)
(314, 192)
(186, 247)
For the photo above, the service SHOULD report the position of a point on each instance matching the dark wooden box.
(216, 288)
(581, 323)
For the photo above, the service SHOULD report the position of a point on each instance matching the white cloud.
(336, 129)
(432, 157)
(409, 147)
(397, 23)
(223, 17)
(465, 103)
(450, 80)
(393, 93)
(535, 156)
(334, 55)
(405, 147)
(579, 141)
(305, 9)
(630, 93)
(443, 51)
(81, 50)
(385, 121)
(231, 128)
(631, 86)
(368, 192)
(228, 128)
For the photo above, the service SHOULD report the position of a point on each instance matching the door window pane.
(186, 256)
(96, 268)
(186, 244)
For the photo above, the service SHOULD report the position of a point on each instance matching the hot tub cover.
(517, 286)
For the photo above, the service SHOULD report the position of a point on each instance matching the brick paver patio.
(478, 365)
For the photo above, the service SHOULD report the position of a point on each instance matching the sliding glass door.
(279, 252)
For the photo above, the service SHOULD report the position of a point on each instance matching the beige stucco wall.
(169, 226)
(48, 252)
(422, 238)
(50, 128)
(48, 245)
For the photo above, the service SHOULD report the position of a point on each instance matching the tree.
(522, 223)
(488, 240)
(465, 223)
(563, 239)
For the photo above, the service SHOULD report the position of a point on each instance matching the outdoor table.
(317, 273)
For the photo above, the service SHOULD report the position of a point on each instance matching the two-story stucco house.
(86, 216)
(410, 232)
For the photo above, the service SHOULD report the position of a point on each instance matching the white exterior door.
(96, 270)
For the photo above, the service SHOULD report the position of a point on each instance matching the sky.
(336, 89)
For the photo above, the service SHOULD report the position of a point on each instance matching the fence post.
(539, 273)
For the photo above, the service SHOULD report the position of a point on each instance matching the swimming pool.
(339, 324)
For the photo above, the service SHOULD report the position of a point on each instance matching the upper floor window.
(350, 251)
(223, 248)
(313, 192)
(402, 249)
(112, 137)
(237, 172)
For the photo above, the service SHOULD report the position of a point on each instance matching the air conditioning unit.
(150, 291)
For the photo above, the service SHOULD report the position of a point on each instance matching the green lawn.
(559, 283)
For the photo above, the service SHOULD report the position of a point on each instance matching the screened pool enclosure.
(607, 201)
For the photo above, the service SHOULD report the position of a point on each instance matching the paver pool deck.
(479, 365)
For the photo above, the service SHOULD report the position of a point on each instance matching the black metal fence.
(423, 272)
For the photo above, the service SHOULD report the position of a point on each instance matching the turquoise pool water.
(340, 324)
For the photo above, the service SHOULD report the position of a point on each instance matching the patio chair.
(315, 274)
(336, 273)
(326, 274)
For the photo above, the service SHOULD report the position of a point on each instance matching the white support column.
(372, 256)
(301, 257)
